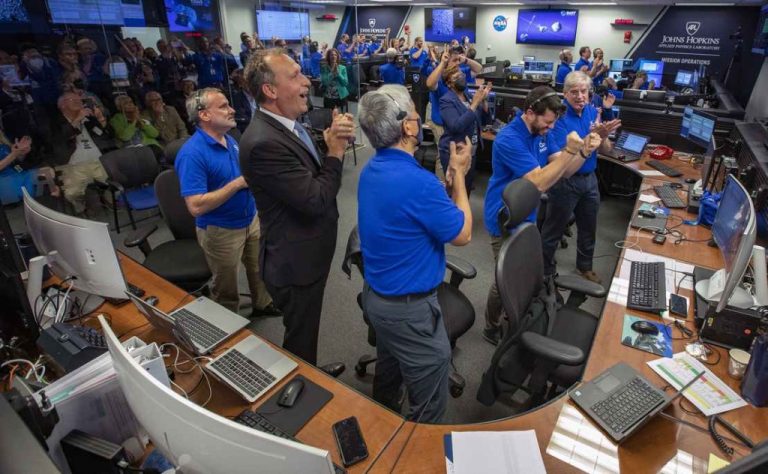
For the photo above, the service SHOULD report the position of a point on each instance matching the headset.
(198, 100)
(401, 114)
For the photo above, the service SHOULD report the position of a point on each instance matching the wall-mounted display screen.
(552, 27)
(103, 12)
(189, 15)
(285, 25)
(442, 25)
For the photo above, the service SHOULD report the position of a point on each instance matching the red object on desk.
(661, 152)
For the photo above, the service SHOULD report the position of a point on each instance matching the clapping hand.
(460, 160)
(591, 143)
(573, 143)
(606, 128)
(337, 136)
(609, 100)
(21, 146)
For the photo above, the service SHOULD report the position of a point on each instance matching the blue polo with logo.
(435, 95)
(516, 152)
(403, 233)
(205, 165)
(421, 61)
(582, 62)
(571, 121)
(562, 70)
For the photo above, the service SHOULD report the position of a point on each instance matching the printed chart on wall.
(709, 394)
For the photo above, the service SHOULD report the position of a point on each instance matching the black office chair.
(458, 312)
(545, 344)
(172, 149)
(130, 173)
(321, 118)
(180, 261)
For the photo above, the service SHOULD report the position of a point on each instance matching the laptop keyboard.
(627, 406)
(243, 373)
(198, 329)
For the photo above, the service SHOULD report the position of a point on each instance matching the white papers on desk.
(578, 442)
(651, 173)
(675, 271)
(497, 452)
(649, 198)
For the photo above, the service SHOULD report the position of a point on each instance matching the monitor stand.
(85, 301)
(712, 290)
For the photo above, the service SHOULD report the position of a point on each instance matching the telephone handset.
(661, 152)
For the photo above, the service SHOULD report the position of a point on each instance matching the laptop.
(621, 401)
(200, 325)
(630, 146)
(650, 224)
(251, 367)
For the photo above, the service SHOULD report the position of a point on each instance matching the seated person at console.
(641, 82)
(80, 137)
(525, 149)
(402, 237)
(393, 72)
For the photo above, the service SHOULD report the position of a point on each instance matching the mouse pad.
(660, 344)
(312, 398)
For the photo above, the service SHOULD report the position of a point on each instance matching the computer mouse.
(644, 327)
(290, 393)
(690, 180)
(675, 185)
(152, 300)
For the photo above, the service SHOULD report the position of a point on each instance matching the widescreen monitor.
(632, 94)
(529, 58)
(655, 70)
(118, 71)
(548, 27)
(620, 64)
(198, 440)
(103, 12)
(189, 15)
(697, 126)
(684, 78)
(733, 230)
(517, 69)
(284, 25)
(655, 96)
(539, 68)
(445, 24)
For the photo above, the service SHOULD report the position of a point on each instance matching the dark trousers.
(301, 307)
(341, 104)
(578, 195)
(411, 346)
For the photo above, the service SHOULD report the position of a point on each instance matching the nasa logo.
(499, 23)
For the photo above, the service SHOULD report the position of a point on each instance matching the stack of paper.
(500, 452)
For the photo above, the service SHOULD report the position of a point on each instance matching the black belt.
(406, 298)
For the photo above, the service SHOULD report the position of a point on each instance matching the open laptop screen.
(634, 143)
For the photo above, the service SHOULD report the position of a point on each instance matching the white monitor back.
(199, 441)
(83, 249)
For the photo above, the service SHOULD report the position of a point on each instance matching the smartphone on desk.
(350, 441)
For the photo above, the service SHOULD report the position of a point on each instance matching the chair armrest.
(115, 185)
(138, 238)
(580, 285)
(460, 269)
(550, 349)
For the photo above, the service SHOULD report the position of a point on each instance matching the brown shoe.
(591, 276)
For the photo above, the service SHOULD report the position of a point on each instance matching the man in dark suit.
(295, 189)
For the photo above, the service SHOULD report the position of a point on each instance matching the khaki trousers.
(76, 177)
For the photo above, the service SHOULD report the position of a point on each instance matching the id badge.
(97, 131)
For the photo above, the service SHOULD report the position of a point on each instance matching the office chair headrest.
(520, 198)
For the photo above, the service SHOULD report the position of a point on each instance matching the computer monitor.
(618, 65)
(655, 96)
(197, 439)
(697, 126)
(490, 59)
(517, 69)
(655, 70)
(734, 232)
(684, 78)
(632, 142)
(74, 248)
(118, 71)
(529, 58)
(632, 94)
(539, 68)
(615, 75)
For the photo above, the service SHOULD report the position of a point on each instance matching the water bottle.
(754, 386)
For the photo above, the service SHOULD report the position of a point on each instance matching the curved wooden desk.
(420, 446)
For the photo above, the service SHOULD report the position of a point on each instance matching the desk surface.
(419, 447)
(377, 423)
(656, 444)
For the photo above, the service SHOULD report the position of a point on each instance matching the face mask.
(36, 63)
(419, 136)
(461, 83)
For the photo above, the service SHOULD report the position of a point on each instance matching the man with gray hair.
(217, 195)
(295, 187)
(392, 72)
(402, 237)
(577, 194)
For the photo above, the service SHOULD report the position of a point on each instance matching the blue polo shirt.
(403, 233)
(204, 165)
(372, 47)
(467, 72)
(598, 80)
(569, 122)
(516, 152)
(562, 70)
(210, 68)
(362, 50)
(345, 56)
(435, 95)
(421, 61)
(582, 62)
(392, 74)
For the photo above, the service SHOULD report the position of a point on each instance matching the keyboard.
(669, 197)
(243, 373)
(198, 329)
(661, 167)
(629, 405)
(647, 287)
(257, 421)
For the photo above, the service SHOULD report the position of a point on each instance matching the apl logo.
(372, 22)
(692, 27)
(416, 78)
(499, 23)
